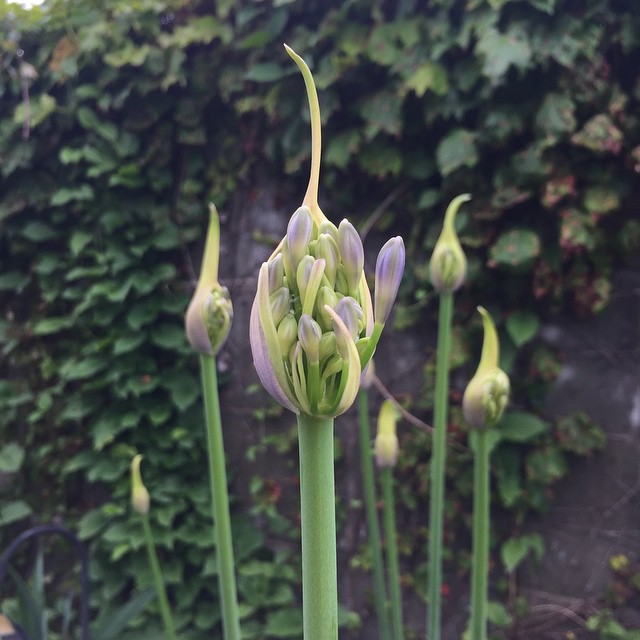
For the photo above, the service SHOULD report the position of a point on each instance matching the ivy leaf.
(37, 112)
(519, 426)
(38, 232)
(265, 72)
(11, 457)
(284, 623)
(382, 113)
(457, 149)
(601, 199)
(515, 550)
(556, 115)
(428, 75)
(522, 326)
(599, 134)
(183, 387)
(14, 511)
(503, 50)
(514, 248)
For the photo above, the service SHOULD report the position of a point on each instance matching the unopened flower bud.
(352, 253)
(389, 270)
(287, 333)
(299, 233)
(327, 248)
(280, 303)
(276, 273)
(217, 312)
(351, 314)
(487, 394)
(386, 442)
(326, 298)
(309, 334)
(210, 313)
(139, 493)
(328, 345)
(368, 375)
(448, 266)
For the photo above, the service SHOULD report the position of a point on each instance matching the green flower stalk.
(483, 403)
(448, 267)
(208, 322)
(313, 329)
(386, 450)
(370, 504)
(140, 502)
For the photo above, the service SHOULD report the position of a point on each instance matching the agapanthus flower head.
(487, 394)
(210, 312)
(386, 442)
(313, 324)
(448, 265)
(139, 493)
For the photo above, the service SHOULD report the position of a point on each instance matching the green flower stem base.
(480, 546)
(366, 462)
(318, 519)
(386, 479)
(438, 461)
(220, 499)
(158, 580)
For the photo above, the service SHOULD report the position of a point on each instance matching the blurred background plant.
(120, 121)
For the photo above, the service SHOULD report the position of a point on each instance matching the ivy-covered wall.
(119, 121)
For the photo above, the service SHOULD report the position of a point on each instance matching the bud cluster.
(313, 325)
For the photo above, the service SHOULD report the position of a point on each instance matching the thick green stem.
(318, 519)
(480, 558)
(438, 462)
(386, 478)
(165, 609)
(220, 500)
(366, 462)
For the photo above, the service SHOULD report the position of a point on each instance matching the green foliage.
(141, 112)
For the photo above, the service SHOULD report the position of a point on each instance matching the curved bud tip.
(448, 265)
(139, 493)
(389, 270)
(386, 442)
(487, 394)
(210, 313)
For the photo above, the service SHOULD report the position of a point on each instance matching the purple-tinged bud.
(368, 375)
(309, 334)
(389, 270)
(352, 315)
(386, 443)
(280, 304)
(352, 254)
(299, 233)
(303, 275)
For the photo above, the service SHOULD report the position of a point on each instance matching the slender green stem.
(480, 546)
(165, 609)
(438, 462)
(220, 499)
(318, 518)
(366, 462)
(386, 479)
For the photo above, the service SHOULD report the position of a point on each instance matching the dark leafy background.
(119, 121)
